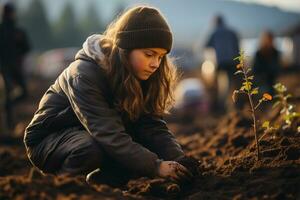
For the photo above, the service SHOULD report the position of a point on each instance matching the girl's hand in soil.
(174, 171)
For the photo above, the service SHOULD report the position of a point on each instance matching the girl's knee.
(86, 157)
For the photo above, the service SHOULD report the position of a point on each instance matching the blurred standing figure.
(13, 47)
(266, 62)
(225, 42)
(295, 35)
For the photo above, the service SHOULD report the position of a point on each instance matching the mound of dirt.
(224, 146)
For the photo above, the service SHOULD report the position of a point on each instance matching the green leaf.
(242, 88)
(250, 77)
(290, 107)
(238, 72)
(288, 121)
(276, 104)
(287, 117)
(237, 58)
(257, 88)
(276, 86)
(279, 87)
(288, 96)
(248, 70)
(276, 96)
(254, 91)
(295, 114)
(266, 125)
(247, 85)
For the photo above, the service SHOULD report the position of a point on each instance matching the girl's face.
(146, 61)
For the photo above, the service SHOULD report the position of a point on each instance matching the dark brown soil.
(224, 146)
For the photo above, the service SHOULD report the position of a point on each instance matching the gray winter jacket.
(81, 96)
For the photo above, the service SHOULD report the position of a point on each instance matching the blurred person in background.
(296, 48)
(13, 48)
(103, 116)
(266, 65)
(190, 99)
(225, 42)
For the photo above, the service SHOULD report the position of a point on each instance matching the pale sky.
(108, 6)
(291, 5)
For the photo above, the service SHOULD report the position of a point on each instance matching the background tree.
(66, 31)
(36, 23)
(90, 23)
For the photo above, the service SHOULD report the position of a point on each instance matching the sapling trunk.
(248, 91)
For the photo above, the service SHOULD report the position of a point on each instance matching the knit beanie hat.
(145, 27)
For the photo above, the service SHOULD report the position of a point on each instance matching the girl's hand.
(174, 171)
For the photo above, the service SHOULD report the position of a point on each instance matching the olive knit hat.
(144, 27)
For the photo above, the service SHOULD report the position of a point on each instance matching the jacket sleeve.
(105, 125)
(153, 133)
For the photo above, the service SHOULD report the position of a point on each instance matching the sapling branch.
(287, 110)
(249, 91)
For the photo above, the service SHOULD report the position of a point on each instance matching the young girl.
(104, 112)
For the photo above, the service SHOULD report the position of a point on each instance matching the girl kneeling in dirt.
(102, 116)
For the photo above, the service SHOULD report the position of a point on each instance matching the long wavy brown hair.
(153, 96)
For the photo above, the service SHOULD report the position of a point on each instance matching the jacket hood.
(91, 50)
